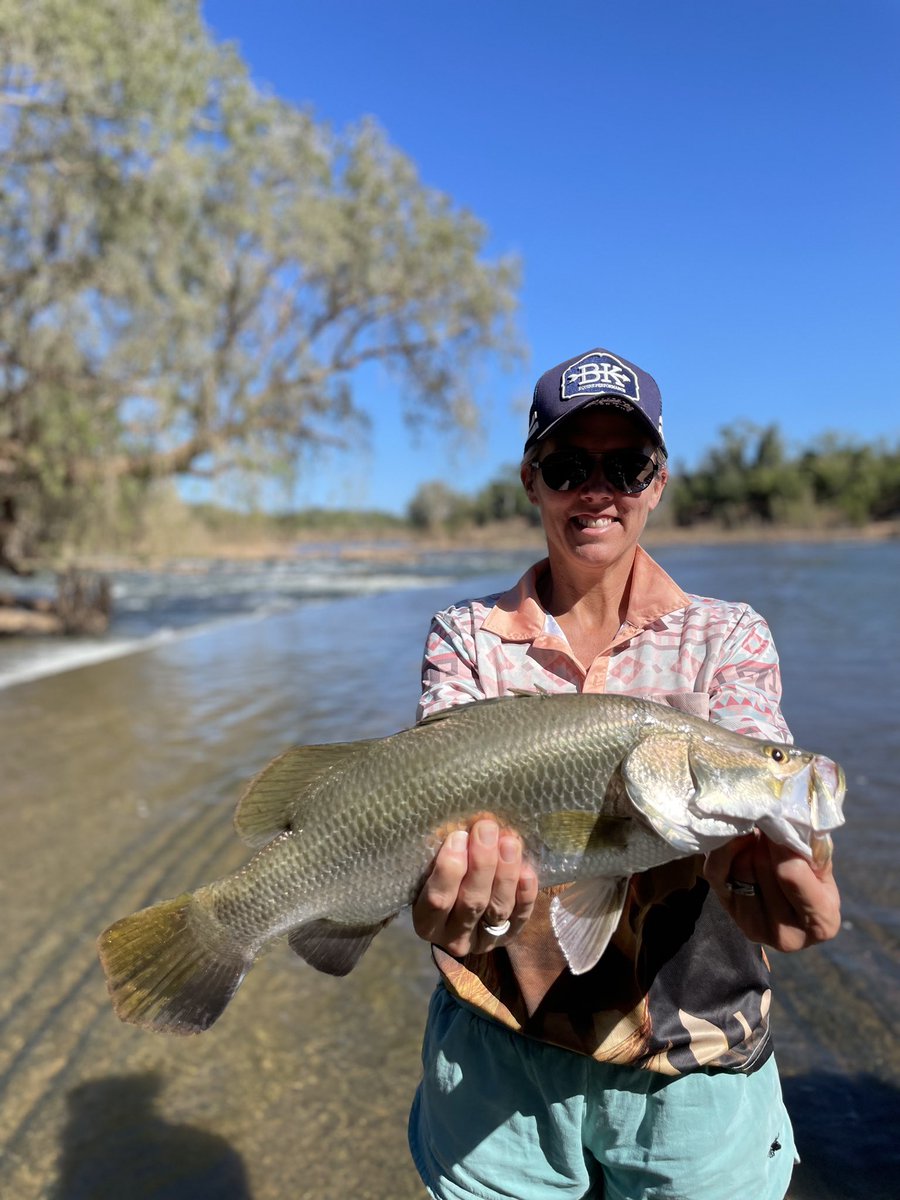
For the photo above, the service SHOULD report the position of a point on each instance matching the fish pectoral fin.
(331, 947)
(576, 831)
(584, 918)
(273, 800)
(658, 769)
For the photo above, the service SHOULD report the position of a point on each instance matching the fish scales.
(509, 771)
(598, 787)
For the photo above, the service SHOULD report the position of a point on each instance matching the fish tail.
(171, 967)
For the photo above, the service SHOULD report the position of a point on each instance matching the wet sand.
(119, 786)
(119, 782)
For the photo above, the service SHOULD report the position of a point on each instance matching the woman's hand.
(478, 879)
(795, 904)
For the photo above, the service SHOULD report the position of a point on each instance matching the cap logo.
(599, 375)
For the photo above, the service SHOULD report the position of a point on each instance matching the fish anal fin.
(273, 800)
(584, 917)
(331, 947)
(576, 831)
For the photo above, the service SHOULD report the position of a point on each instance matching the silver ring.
(496, 930)
(741, 888)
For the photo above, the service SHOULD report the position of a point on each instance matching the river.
(122, 759)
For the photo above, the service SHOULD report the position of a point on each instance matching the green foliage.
(328, 522)
(504, 499)
(436, 506)
(750, 478)
(193, 271)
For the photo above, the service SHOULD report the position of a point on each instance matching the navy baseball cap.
(597, 377)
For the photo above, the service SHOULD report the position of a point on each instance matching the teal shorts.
(498, 1115)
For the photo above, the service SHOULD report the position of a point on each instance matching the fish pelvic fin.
(331, 947)
(273, 800)
(170, 968)
(584, 917)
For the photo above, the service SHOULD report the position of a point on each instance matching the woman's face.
(593, 525)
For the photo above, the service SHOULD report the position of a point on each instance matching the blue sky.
(709, 188)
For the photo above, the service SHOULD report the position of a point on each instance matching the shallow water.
(118, 784)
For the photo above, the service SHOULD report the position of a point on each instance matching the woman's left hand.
(795, 904)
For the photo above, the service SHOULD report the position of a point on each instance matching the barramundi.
(598, 787)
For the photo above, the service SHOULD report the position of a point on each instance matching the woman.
(652, 1074)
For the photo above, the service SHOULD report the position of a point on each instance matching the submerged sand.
(119, 782)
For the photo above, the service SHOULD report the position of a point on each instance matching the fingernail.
(487, 833)
(509, 849)
(458, 841)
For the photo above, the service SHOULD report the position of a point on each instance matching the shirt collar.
(519, 616)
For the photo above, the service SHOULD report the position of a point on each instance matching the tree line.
(749, 477)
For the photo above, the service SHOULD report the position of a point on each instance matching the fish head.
(792, 795)
(660, 781)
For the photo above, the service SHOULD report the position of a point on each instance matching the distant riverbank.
(35, 606)
(502, 536)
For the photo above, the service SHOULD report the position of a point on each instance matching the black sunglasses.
(627, 471)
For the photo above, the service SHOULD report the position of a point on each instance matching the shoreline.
(410, 547)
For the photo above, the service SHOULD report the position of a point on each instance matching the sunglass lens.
(628, 471)
(562, 472)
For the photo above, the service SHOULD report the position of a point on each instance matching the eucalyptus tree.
(193, 272)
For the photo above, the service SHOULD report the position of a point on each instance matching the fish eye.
(776, 754)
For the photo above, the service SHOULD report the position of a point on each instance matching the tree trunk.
(83, 605)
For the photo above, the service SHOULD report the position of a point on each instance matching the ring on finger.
(741, 887)
(496, 930)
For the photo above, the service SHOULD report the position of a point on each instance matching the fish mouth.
(827, 787)
(809, 808)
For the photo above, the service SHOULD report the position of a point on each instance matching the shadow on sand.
(846, 1133)
(117, 1145)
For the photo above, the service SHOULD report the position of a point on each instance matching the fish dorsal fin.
(442, 715)
(584, 918)
(455, 710)
(576, 831)
(273, 800)
(656, 771)
(331, 947)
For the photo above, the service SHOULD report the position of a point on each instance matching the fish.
(598, 787)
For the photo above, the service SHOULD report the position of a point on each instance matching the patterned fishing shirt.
(679, 986)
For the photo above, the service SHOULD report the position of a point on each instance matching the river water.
(122, 758)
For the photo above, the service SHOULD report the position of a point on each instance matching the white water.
(153, 608)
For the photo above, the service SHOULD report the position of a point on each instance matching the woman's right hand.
(478, 878)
